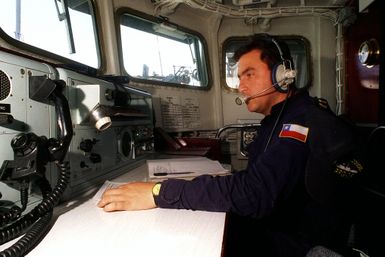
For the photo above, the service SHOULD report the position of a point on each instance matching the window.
(62, 27)
(161, 52)
(299, 49)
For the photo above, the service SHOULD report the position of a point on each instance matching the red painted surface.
(362, 100)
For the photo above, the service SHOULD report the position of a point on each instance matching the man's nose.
(241, 86)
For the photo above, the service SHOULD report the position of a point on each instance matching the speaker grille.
(5, 86)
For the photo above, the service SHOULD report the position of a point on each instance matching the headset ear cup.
(278, 77)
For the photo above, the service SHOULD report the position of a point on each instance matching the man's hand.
(131, 196)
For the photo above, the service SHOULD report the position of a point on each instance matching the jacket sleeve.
(254, 191)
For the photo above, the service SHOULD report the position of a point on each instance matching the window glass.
(63, 27)
(299, 49)
(160, 51)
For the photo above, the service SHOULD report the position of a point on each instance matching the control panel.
(113, 129)
(18, 112)
(112, 122)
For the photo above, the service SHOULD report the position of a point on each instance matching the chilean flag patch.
(294, 131)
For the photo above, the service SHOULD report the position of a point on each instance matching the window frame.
(125, 10)
(243, 39)
(64, 61)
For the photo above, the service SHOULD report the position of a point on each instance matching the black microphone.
(241, 100)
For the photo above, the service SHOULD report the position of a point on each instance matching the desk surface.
(86, 230)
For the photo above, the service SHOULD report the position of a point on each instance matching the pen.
(172, 173)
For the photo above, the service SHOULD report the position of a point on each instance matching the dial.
(363, 52)
(369, 53)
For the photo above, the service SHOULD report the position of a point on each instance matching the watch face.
(156, 189)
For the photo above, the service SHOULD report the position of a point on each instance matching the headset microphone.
(241, 100)
(283, 82)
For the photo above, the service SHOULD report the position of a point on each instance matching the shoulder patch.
(294, 131)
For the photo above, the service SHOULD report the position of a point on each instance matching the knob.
(86, 145)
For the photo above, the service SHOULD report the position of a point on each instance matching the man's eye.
(249, 74)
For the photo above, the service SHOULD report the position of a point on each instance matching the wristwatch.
(155, 191)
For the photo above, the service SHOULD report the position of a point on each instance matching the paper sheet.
(89, 231)
(86, 230)
(184, 167)
(106, 185)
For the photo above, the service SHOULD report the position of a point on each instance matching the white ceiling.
(282, 3)
(256, 9)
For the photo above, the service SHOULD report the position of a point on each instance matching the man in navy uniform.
(292, 209)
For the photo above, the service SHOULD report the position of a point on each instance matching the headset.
(283, 73)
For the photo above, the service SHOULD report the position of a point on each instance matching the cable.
(15, 211)
(276, 121)
(30, 239)
(43, 209)
(254, 13)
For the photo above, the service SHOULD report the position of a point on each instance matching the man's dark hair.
(269, 51)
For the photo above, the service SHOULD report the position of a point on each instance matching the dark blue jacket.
(274, 187)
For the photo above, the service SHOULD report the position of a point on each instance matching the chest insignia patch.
(294, 131)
